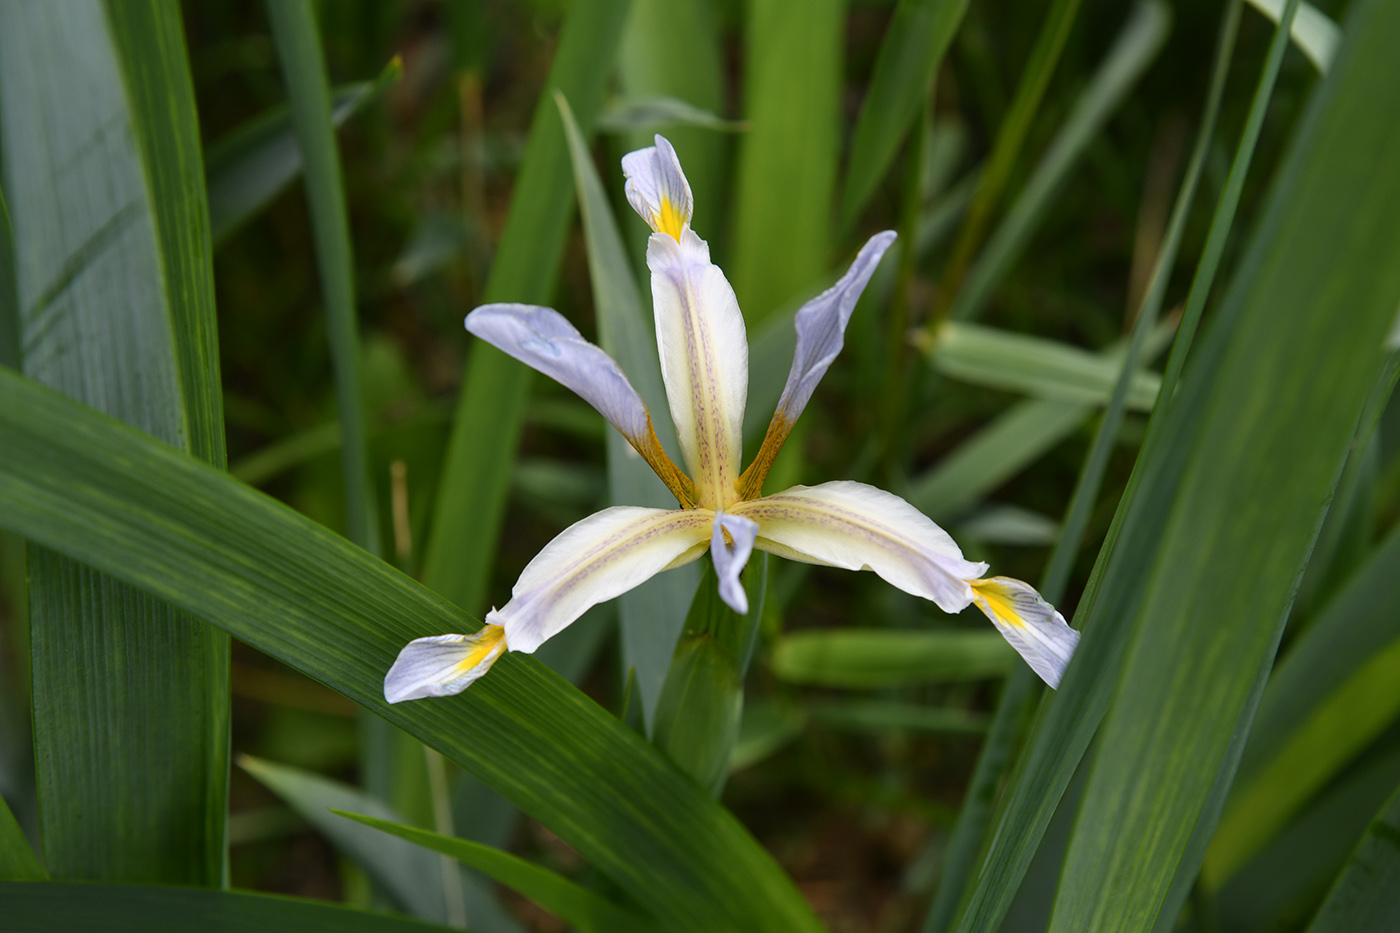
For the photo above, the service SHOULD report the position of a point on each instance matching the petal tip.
(442, 665)
(1030, 624)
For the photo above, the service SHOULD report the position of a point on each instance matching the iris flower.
(704, 363)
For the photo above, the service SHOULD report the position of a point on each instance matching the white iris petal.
(704, 361)
(859, 527)
(593, 560)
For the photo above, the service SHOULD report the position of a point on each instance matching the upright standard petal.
(731, 543)
(859, 527)
(704, 361)
(656, 188)
(1032, 626)
(443, 664)
(821, 332)
(542, 339)
(603, 556)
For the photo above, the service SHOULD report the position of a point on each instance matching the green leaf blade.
(114, 286)
(284, 585)
(914, 45)
(575, 905)
(786, 173)
(1196, 624)
(40, 908)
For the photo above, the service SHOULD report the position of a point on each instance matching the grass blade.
(9, 301)
(787, 161)
(887, 716)
(1313, 33)
(411, 876)
(298, 43)
(572, 903)
(1133, 51)
(1222, 220)
(1011, 136)
(251, 165)
(914, 45)
(871, 658)
(1013, 441)
(471, 497)
(1363, 899)
(1069, 719)
(41, 908)
(1332, 695)
(288, 587)
(1191, 622)
(1035, 366)
(1287, 881)
(702, 701)
(114, 284)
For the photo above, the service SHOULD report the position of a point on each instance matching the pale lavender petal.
(542, 339)
(730, 559)
(1031, 625)
(442, 665)
(821, 326)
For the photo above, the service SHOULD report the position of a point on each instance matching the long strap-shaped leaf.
(476, 476)
(572, 903)
(298, 43)
(1246, 433)
(42, 908)
(911, 51)
(105, 494)
(114, 287)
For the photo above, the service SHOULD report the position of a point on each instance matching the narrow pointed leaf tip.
(1032, 626)
(443, 665)
(731, 558)
(657, 189)
(821, 333)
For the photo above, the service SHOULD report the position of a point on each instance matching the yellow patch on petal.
(491, 639)
(997, 600)
(668, 219)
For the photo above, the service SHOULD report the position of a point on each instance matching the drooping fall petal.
(859, 527)
(593, 560)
